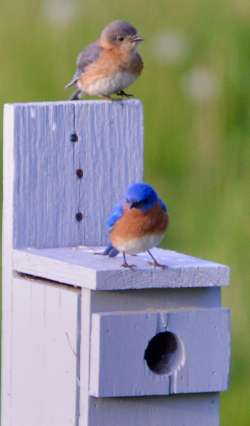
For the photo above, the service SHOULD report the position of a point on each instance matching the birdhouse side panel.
(45, 342)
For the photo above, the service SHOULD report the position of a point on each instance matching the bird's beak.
(137, 38)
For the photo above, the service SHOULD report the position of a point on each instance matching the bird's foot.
(122, 93)
(157, 265)
(75, 96)
(127, 265)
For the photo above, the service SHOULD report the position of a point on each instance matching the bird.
(137, 223)
(110, 64)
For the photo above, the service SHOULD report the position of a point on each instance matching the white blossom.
(60, 12)
(171, 47)
(201, 84)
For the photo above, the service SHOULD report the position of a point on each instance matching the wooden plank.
(189, 410)
(199, 362)
(47, 192)
(80, 267)
(42, 192)
(110, 152)
(85, 357)
(6, 347)
(45, 322)
(155, 299)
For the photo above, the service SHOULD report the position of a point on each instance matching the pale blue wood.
(47, 192)
(45, 353)
(199, 364)
(42, 194)
(193, 410)
(81, 267)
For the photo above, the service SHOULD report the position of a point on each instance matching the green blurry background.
(196, 94)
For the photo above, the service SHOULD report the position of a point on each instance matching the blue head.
(141, 196)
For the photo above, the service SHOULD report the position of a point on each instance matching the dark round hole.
(73, 137)
(79, 216)
(164, 353)
(79, 173)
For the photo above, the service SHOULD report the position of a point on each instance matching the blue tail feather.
(110, 251)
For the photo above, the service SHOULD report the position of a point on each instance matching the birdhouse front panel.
(178, 410)
(159, 353)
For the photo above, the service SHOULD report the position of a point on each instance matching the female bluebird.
(110, 64)
(137, 223)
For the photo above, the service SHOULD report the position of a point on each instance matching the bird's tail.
(110, 251)
(73, 80)
(71, 83)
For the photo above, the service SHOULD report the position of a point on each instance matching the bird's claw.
(122, 93)
(157, 265)
(127, 265)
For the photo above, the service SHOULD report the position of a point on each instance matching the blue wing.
(85, 58)
(115, 216)
(163, 205)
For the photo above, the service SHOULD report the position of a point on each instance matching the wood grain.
(44, 383)
(200, 362)
(79, 266)
(188, 410)
(47, 192)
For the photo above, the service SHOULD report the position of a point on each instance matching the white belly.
(109, 85)
(140, 244)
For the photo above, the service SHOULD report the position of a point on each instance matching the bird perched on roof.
(137, 223)
(110, 64)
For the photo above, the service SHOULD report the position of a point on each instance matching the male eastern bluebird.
(110, 64)
(137, 223)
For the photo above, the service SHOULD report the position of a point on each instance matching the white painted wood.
(189, 410)
(85, 357)
(155, 299)
(47, 192)
(119, 341)
(45, 324)
(7, 236)
(110, 151)
(42, 193)
(135, 411)
(80, 267)
(49, 329)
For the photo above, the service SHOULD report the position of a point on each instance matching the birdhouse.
(86, 342)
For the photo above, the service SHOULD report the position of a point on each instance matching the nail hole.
(79, 216)
(79, 173)
(73, 137)
(164, 353)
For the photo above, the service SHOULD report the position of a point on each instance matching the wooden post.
(86, 343)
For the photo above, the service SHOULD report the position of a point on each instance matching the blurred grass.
(196, 151)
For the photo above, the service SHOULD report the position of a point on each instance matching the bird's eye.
(120, 38)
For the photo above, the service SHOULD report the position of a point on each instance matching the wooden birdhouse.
(86, 342)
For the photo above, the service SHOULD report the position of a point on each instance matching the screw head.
(73, 137)
(79, 173)
(79, 216)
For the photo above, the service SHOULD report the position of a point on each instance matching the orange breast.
(111, 62)
(136, 224)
